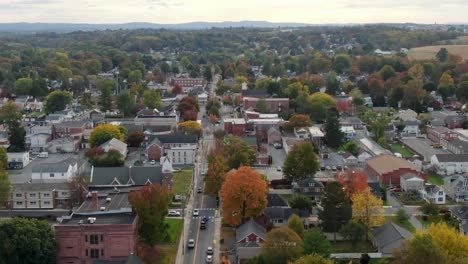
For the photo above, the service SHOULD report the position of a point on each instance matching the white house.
(18, 160)
(433, 194)
(456, 187)
(450, 164)
(62, 171)
(411, 182)
(116, 145)
(411, 128)
(202, 98)
(301, 132)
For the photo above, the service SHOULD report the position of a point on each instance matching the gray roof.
(118, 201)
(389, 233)
(460, 211)
(248, 228)
(38, 187)
(107, 176)
(459, 144)
(307, 183)
(452, 157)
(411, 123)
(71, 124)
(251, 141)
(174, 139)
(275, 200)
(51, 167)
(102, 219)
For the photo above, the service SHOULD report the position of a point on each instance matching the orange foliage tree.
(353, 181)
(243, 195)
(215, 175)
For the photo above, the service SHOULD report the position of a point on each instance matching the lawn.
(175, 229)
(408, 198)
(406, 153)
(407, 224)
(435, 178)
(436, 219)
(349, 247)
(158, 254)
(181, 182)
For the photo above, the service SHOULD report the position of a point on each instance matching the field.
(406, 153)
(436, 179)
(181, 182)
(429, 52)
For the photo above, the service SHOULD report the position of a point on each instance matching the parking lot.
(24, 175)
(423, 148)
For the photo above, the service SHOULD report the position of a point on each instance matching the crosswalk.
(200, 217)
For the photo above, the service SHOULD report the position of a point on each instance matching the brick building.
(188, 83)
(274, 105)
(388, 169)
(235, 126)
(179, 148)
(438, 134)
(103, 228)
(73, 129)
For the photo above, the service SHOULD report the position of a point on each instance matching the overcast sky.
(179, 11)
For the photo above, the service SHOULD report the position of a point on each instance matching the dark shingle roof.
(256, 92)
(389, 233)
(460, 211)
(452, 157)
(173, 139)
(138, 175)
(308, 182)
(275, 200)
(39, 186)
(248, 228)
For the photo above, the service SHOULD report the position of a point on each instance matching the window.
(32, 195)
(86, 240)
(51, 175)
(64, 193)
(94, 253)
(441, 193)
(47, 202)
(32, 202)
(93, 239)
(102, 238)
(46, 195)
(19, 195)
(102, 252)
(19, 203)
(86, 252)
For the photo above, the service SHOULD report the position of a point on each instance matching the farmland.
(429, 52)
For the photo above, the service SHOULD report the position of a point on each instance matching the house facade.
(456, 187)
(437, 134)
(309, 187)
(17, 160)
(457, 146)
(235, 126)
(63, 171)
(411, 182)
(72, 129)
(167, 117)
(274, 105)
(250, 237)
(449, 164)
(433, 194)
(40, 196)
(180, 149)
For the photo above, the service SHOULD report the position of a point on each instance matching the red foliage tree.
(177, 89)
(135, 138)
(353, 181)
(190, 115)
(93, 152)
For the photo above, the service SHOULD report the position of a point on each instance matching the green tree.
(430, 209)
(39, 88)
(57, 101)
(238, 153)
(342, 63)
(295, 224)
(3, 158)
(301, 162)
(27, 241)
(152, 99)
(313, 259)
(23, 86)
(336, 207)
(300, 202)
(333, 135)
(462, 91)
(86, 100)
(10, 115)
(125, 103)
(4, 188)
(135, 76)
(105, 87)
(353, 232)
(351, 147)
(315, 241)
(442, 55)
(261, 106)
(387, 72)
(17, 139)
(282, 245)
(402, 216)
(151, 204)
(332, 83)
(318, 105)
(92, 66)
(104, 133)
(113, 158)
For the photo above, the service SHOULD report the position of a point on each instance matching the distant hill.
(65, 27)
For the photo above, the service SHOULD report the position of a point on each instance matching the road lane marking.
(198, 235)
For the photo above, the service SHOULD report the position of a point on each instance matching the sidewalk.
(217, 238)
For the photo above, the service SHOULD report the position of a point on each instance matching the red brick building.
(104, 228)
(437, 134)
(235, 126)
(274, 105)
(388, 169)
(188, 83)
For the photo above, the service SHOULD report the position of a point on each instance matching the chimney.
(95, 200)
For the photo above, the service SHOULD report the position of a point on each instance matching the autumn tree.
(238, 153)
(446, 86)
(301, 162)
(333, 134)
(437, 244)
(5, 187)
(315, 241)
(135, 138)
(342, 63)
(177, 89)
(318, 106)
(243, 195)
(213, 119)
(282, 245)
(125, 103)
(151, 203)
(313, 258)
(297, 121)
(336, 207)
(295, 224)
(92, 153)
(57, 101)
(104, 133)
(367, 210)
(353, 181)
(217, 168)
(27, 241)
(190, 127)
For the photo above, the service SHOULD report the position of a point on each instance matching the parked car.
(209, 251)
(199, 190)
(173, 213)
(333, 168)
(191, 243)
(196, 212)
(209, 259)
(277, 145)
(278, 168)
(153, 162)
(396, 189)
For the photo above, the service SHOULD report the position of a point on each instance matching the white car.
(196, 212)
(199, 190)
(209, 251)
(191, 243)
(153, 162)
(173, 213)
(209, 259)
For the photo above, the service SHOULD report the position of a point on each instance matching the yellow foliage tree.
(190, 127)
(103, 133)
(313, 258)
(438, 244)
(446, 80)
(367, 209)
(417, 72)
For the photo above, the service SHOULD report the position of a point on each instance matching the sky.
(181, 11)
